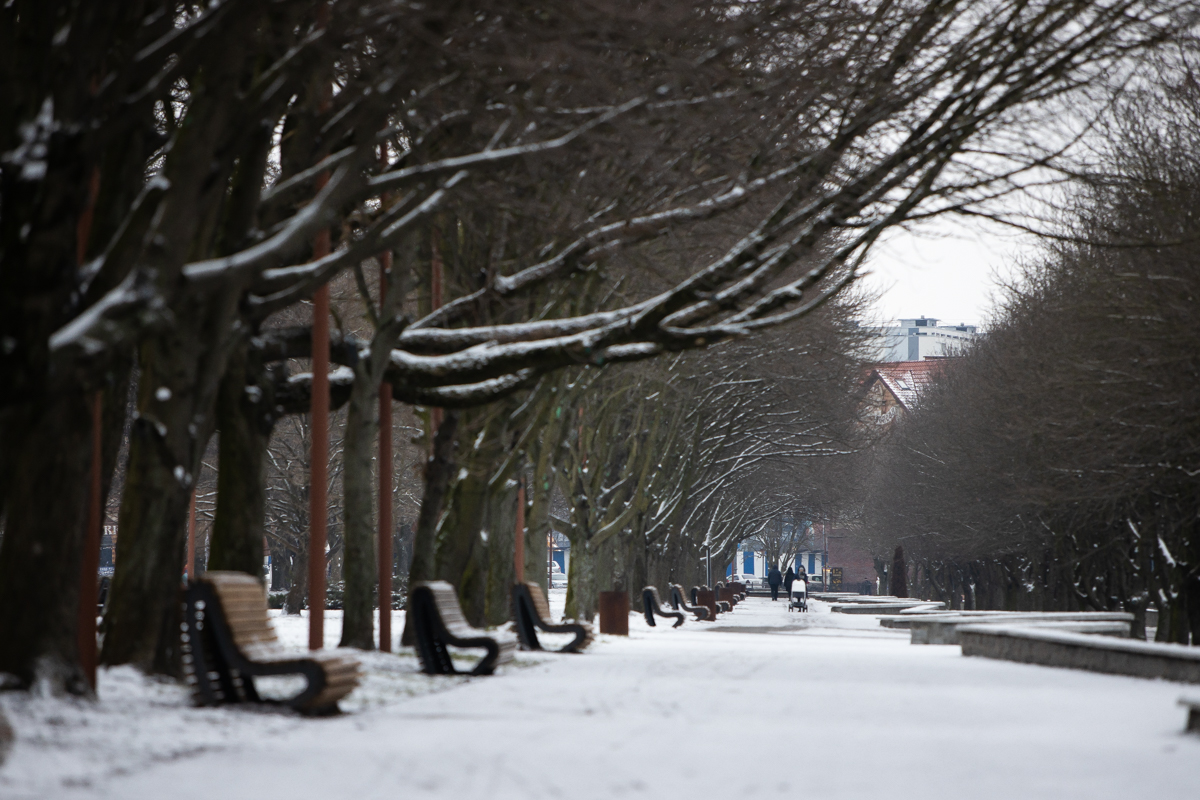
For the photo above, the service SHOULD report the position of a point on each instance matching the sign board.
(835, 578)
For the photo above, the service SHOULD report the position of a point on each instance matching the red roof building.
(894, 388)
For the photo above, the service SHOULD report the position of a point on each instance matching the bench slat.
(652, 605)
(438, 621)
(532, 613)
(238, 642)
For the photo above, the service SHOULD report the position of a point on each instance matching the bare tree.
(846, 120)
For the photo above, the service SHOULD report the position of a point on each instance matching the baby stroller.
(799, 597)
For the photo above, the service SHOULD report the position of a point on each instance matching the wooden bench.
(531, 612)
(727, 595)
(723, 606)
(438, 622)
(703, 596)
(739, 589)
(678, 602)
(651, 605)
(227, 640)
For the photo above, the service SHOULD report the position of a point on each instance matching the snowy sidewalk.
(761, 703)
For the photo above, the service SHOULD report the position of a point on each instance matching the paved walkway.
(763, 703)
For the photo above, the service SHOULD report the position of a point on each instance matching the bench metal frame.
(430, 604)
(678, 602)
(216, 667)
(652, 606)
(528, 618)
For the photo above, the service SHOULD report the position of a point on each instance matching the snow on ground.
(762, 702)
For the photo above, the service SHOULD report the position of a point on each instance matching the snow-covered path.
(762, 703)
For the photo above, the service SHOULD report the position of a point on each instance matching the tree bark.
(461, 552)
(245, 417)
(42, 548)
(500, 520)
(176, 417)
(358, 565)
(437, 480)
(297, 595)
(582, 596)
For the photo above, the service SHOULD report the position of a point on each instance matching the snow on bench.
(652, 606)
(227, 640)
(1056, 648)
(533, 612)
(943, 628)
(438, 621)
(888, 607)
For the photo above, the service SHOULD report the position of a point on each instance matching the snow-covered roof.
(906, 379)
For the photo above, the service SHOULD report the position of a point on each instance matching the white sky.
(943, 269)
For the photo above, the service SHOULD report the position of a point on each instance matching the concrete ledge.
(941, 628)
(1051, 648)
(947, 632)
(880, 608)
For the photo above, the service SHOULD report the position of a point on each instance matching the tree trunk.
(297, 595)
(537, 518)
(636, 566)
(582, 596)
(358, 565)
(437, 480)
(245, 416)
(177, 392)
(500, 522)
(461, 553)
(1190, 592)
(40, 557)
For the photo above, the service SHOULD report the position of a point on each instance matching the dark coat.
(789, 578)
(773, 577)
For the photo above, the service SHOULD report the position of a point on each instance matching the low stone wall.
(1031, 645)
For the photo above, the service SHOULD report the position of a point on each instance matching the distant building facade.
(918, 338)
(749, 562)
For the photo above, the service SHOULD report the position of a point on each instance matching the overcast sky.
(944, 269)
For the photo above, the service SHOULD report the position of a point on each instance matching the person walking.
(773, 580)
(789, 578)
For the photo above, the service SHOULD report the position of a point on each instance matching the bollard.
(614, 613)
